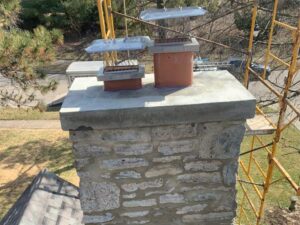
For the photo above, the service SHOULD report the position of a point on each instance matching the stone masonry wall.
(163, 175)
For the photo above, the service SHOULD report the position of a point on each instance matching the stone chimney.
(158, 156)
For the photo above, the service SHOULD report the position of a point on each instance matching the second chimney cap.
(172, 13)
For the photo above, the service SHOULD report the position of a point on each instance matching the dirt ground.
(282, 216)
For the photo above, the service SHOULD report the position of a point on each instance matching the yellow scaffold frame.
(270, 148)
(107, 26)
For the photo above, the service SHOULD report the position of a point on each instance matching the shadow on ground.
(20, 163)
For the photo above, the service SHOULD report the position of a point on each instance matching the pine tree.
(21, 54)
(9, 10)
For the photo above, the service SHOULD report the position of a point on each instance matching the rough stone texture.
(161, 172)
(158, 156)
(129, 196)
(229, 173)
(97, 219)
(174, 132)
(214, 177)
(192, 208)
(216, 136)
(209, 218)
(123, 163)
(139, 203)
(133, 149)
(171, 198)
(90, 150)
(142, 186)
(135, 214)
(166, 159)
(139, 222)
(208, 166)
(99, 196)
(174, 147)
(128, 174)
(107, 136)
(81, 163)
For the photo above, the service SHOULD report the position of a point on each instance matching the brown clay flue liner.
(173, 69)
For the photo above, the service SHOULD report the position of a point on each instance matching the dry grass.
(24, 153)
(26, 114)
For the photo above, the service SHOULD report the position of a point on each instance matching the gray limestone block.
(111, 135)
(166, 159)
(227, 202)
(130, 149)
(171, 199)
(191, 209)
(140, 203)
(135, 214)
(159, 192)
(190, 158)
(162, 170)
(97, 219)
(132, 187)
(201, 177)
(123, 163)
(98, 197)
(92, 173)
(129, 174)
(81, 163)
(209, 218)
(176, 147)
(204, 187)
(138, 222)
(221, 141)
(205, 195)
(216, 200)
(134, 135)
(129, 196)
(169, 187)
(206, 166)
(229, 173)
(84, 149)
(174, 132)
(164, 219)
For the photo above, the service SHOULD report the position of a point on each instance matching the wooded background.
(32, 31)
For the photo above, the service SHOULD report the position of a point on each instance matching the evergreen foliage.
(21, 53)
(9, 10)
(65, 14)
